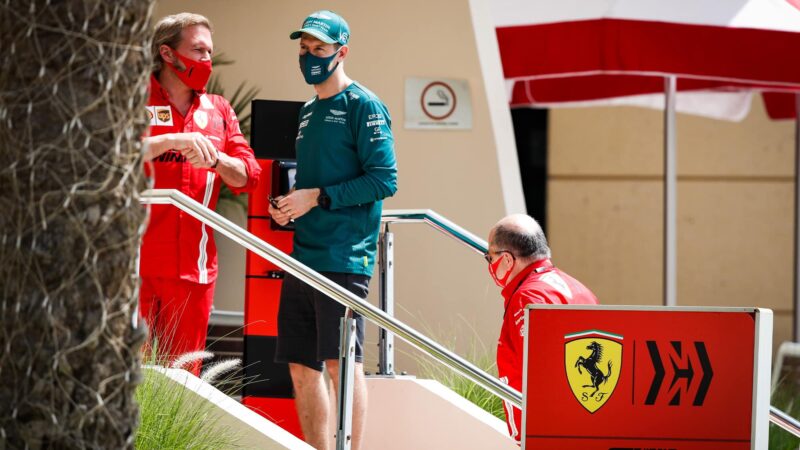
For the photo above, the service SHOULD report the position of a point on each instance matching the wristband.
(216, 161)
(324, 200)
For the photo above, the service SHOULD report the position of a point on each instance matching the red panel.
(262, 294)
(280, 411)
(257, 200)
(282, 240)
(699, 352)
(261, 314)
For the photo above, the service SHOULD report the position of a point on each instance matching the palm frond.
(214, 86)
(241, 98)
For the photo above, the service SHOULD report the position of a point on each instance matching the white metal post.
(386, 300)
(670, 194)
(347, 356)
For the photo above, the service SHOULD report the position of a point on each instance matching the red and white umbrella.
(582, 52)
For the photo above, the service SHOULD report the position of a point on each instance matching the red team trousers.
(176, 312)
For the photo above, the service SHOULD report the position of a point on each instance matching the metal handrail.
(386, 274)
(437, 222)
(442, 224)
(333, 290)
(784, 421)
(227, 318)
(375, 315)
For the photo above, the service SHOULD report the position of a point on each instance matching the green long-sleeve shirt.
(345, 145)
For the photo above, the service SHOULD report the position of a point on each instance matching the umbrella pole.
(670, 194)
(796, 300)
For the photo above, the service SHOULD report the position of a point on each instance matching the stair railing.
(382, 319)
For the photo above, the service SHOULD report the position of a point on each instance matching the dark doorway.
(530, 132)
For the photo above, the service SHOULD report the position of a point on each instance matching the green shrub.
(464, 387)
(477, 354)
(172, 417)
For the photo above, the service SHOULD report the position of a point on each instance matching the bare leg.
(359, 398)
(311, 399)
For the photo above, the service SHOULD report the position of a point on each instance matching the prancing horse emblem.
(593, 360)
(590, 364)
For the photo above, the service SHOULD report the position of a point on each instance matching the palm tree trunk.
(73, 78)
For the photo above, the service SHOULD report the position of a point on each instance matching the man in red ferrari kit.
(519, 262)
(194, 145)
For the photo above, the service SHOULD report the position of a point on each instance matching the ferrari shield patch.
(201, 119)
(593, 361)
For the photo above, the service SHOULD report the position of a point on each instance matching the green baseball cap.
(327, 26)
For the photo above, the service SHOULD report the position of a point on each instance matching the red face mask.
(493, 272)
(196, 74)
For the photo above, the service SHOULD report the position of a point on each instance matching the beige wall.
(735, 207)
(440, 285)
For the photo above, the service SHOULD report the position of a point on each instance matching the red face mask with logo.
(493, 272)
(196, 74)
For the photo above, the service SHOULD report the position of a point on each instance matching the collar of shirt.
(542, 265)
(161, 95)
(156, 90)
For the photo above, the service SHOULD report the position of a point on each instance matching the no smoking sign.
(437, 103)
(438, 100)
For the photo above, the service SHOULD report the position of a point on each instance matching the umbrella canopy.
(577, 50)
(567, 52)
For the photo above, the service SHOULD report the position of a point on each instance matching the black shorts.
(308, 321)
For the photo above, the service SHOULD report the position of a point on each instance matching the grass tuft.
(477, 354)
(214, 371)
(171, 417)
(464, 387)
(183, 361)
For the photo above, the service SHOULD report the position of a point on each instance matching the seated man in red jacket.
(519, 262)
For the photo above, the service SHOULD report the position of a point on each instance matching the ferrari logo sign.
(593, 360)
(664, 386)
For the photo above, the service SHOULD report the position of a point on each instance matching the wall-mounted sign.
(437, 103)
(646, 377)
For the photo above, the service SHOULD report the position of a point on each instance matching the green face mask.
(315, 68)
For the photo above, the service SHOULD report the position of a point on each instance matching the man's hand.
(279, 216)
(198, 149)
(297, 203)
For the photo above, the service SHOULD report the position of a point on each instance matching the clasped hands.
(293, 205)
(197, 148)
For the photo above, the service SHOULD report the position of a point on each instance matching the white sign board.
(438, 103)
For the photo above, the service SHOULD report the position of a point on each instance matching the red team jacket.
(176, 245)
(539, 283)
